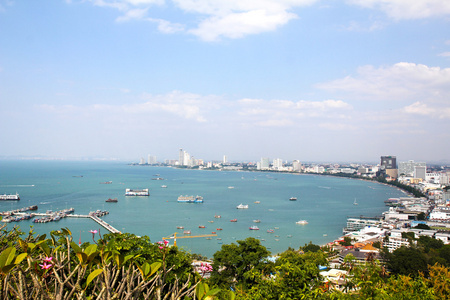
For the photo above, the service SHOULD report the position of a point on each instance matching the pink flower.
(48, 259)
(45, 266)
(166, 242)
(161, 247)
(93, 231)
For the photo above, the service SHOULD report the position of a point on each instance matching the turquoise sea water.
(324, 201)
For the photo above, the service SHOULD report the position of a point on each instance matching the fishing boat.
(233, 220)
(293, 199)
(302, 222)
(187, 232)
(242, 206)
(217, 216)
(257, 202)
(201, 226)
(254, 227)
(257, 221)
(111, 200)
(180, 227)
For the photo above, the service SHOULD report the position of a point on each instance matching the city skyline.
(305, 79)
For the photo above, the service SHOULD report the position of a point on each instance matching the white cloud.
(238, 25)
(407, 9)
(445, 54)
(401, 81)
(420, 108)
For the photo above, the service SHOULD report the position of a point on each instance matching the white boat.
(254, 227)
(7, 197)
(164, 186)
(131, 192)
(190, 199)
(257, 221)
(302, 222)
(354, 202)
(242, 206)
(293, 199)
(231, 187)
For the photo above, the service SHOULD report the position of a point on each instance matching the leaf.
(90, 249)
(20, 257)
(155, 266)
(144, 269)
(75, 247)
(66, 231)
(200, 290)
(7, 256)
(23, 245)
(82, 257)
(91, 276)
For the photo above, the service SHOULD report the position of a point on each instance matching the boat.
(187, 232)
(180, 227)
(257, 202)
(190, 199)
(158, 178)
(293, 199)
(217, 216)
(254, 227)
(233, 220)
(302, 222)
(214, 232)
(270, 231)
(131, 192)
(231, 187)
(201, 226)
(242, 206)
(10, 197)
(354, 202)
(218, 229)
(111, 200)
(106, 182)
(257, 221)
(164, 186)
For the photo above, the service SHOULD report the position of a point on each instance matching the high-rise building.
(277, 164)
(151, 159)
(265, 164)
(407, 167)
(181, 157)
(296, 166)
(225, 160)
(420, 172)
(388, 162)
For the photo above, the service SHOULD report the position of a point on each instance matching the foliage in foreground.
(123, 266)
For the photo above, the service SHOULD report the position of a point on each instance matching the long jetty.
(91, 215)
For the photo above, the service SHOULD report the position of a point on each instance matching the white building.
(420, 172)
(296, 166)
(225, 159)
(277, 164)
(407, 167)
(265, 163)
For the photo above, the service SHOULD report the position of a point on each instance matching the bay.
(324, 201)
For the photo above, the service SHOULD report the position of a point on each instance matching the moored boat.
(254, 227)
(233, 220)
(111, 200)
(302, 222)
(293, 199)
(190, 199)
(242, 206)
(10, 197)
(257, 221)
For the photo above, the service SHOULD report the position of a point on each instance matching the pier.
(49, 216)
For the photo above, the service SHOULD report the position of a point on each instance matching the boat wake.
(324, 187)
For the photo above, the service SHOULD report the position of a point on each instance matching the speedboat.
(242, 206)
(302, 222)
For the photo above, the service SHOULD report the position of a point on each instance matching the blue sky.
(293, 79)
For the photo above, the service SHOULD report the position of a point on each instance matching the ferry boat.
(131, 192)
(242, 206)
(293, 199)
(254, 227)
(111, 200)
(190, 199)
(302, 222)
(10, 197)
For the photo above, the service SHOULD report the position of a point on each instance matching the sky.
(313, 80)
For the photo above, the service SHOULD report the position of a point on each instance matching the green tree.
(240, 263)
(407, 261)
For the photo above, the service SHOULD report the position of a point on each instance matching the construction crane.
(174, 237)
